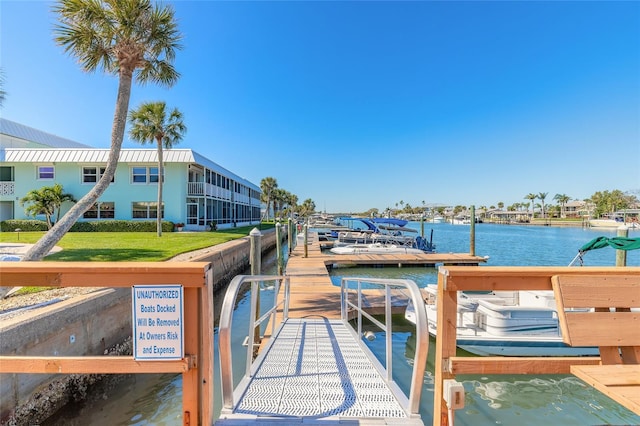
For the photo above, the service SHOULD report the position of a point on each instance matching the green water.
(489, 400)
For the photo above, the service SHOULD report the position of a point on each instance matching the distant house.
(196, 191)
(509, 216)
(577, 208)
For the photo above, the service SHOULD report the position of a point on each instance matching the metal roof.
(29, 134)
(101, 155)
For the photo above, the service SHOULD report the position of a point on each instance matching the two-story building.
(196, 191)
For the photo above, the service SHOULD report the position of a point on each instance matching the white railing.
(195, 188)
(226, 320)
(354, 287)
(347, 307)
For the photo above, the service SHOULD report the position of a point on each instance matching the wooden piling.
(472, 232)
(255, 256)
(621, 255)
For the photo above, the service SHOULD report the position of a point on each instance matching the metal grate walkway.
(315, 371)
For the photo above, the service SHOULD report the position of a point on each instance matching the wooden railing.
(452, 279)
(196, 366)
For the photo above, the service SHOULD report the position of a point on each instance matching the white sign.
(158, 326)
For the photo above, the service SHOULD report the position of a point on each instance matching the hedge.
(94, 226)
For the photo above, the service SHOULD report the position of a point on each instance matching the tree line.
(599, 204)
(281, 202)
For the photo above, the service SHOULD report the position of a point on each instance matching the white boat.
(375, 248)
(514, 323)
(605, 223)
(437, 219)
(522, 323)
(461, 220)
(615, 220)
(385, 231)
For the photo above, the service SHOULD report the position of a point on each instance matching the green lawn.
(129, 246)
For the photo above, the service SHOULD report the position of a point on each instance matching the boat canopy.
(619, 243)
(370, 225)
(390, 221)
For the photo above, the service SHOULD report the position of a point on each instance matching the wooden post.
(422, 226)
(306, 249)
(190, 382)
(255, 258)
(621, 255)
(472, 231)
(290, 234)
(445, 347)
(279, 247)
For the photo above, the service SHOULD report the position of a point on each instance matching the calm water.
(500, 400)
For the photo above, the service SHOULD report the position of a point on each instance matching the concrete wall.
(232, 258)
(90, 324)
(83, 325)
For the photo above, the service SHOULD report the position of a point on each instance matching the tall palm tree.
(127, 38)
(532, 197)
(292, 202)
(278, 198)
(542, 196)
(267, 186)
(562, 199)
(150, 123)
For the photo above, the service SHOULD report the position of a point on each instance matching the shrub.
(120, 226)
(24, 225)
(93, 226)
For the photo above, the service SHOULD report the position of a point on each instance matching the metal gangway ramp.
(317, 370)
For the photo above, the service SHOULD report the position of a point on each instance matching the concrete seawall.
(232, 258)
(87, 325)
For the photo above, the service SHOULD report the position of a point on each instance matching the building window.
(144, 175)
(6, 173)
(145, 210)
(153, 174)
(93, 174)
(46, 172)
(104, 210)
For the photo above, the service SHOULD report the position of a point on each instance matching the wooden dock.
(313, 293)
(399, 259)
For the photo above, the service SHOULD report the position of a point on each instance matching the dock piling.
(472, 232)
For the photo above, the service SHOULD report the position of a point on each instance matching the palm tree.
(127, 38)
(562, 199)
(542, 196)
(307, 207)
(278, 197)
(267, 186)
(532, 197)
(47, 200)
(150, 123)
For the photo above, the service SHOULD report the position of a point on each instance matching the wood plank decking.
(312, 292)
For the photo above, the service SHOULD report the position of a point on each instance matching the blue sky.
(365, 104)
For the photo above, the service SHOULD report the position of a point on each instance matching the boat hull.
(374, 249)
(487, 329)
(511, 347)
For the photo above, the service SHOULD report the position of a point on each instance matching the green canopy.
(618, 243)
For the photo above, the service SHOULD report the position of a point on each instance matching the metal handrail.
(422, 331)
(226, 319)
